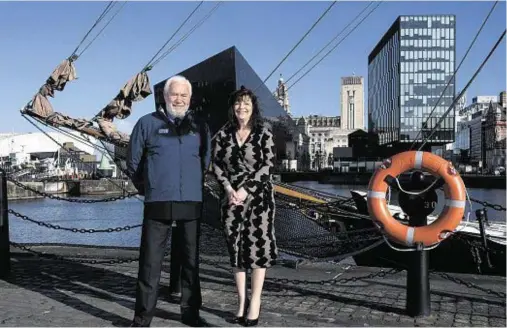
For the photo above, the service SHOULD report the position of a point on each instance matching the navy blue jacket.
(167, 161)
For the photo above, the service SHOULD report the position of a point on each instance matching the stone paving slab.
(43, 292)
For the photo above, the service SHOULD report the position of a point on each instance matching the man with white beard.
(168, 153)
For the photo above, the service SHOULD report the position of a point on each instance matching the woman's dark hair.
(255, 119)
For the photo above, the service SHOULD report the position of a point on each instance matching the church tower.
(282, 96)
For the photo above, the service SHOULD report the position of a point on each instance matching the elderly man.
(168, 153)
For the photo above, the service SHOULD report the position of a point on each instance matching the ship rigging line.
(184, 37)
(149, 65)
(336, 45)
(78, 159)
(332, 40)
(108, 8)
(464, 89)
(299, 42)
(454, 74)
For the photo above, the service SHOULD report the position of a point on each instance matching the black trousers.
(153, 244)
(175, 276)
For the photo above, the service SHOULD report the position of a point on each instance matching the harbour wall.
(72, 188)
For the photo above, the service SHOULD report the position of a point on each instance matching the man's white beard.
(176, 114)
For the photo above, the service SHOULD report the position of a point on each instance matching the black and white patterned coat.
(249, 228)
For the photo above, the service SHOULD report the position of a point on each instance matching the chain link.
(72, 200)
(469, 284)
(477, 245)
(333, 281)
(488, 204)
(284, 281)
(66, 259)
(80, 230)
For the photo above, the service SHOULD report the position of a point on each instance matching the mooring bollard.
(5, 251)
(418, 207)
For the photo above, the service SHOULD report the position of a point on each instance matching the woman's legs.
(240, 278)
(258, 275)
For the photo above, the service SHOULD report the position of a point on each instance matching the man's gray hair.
(176, 78)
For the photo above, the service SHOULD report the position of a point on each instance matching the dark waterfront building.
(364, 145)
(407, 72)
(214, 79)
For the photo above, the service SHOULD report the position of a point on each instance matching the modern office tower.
(408, 71)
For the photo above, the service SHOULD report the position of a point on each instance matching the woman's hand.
(233, 197)
(241, 194)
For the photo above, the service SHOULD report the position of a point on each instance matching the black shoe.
(241, 320)
(252, 322)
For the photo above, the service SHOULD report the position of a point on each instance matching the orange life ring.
(454, 190)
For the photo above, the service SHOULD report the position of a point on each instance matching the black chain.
(81, 230)
(469, 284)
(477, 245)
(488, 204)
(381, 274)
(82, 261)
(71, 200)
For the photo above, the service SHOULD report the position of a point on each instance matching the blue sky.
(36, 36)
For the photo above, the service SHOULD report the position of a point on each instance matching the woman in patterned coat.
(243, 157)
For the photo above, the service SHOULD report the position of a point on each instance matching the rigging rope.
(184, 37)
(102, 29)
(464, 89)
(78, 159)
(148, 66)
(332, 49)
(301, 40)
(108, 8)
(454, 74)
(333, 39)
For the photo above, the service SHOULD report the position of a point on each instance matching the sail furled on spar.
(40, 104)
(40, 108)
(136, 89)
(65, 72)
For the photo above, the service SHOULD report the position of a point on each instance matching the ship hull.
(463, 253)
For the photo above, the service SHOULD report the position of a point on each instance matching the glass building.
(214, 79)
(407, 73)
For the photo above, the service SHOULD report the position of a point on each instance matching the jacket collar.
(186, 124)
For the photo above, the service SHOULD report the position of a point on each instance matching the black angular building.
(214, 79)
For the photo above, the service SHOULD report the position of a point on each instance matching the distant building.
(39, 153)
(81, 160)
(282, 95)
(352, 103)
(495, 134)
(364, 145)
(503, 99)
(477, 130)
(324, 133)
(408, 70)
(19, 148)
